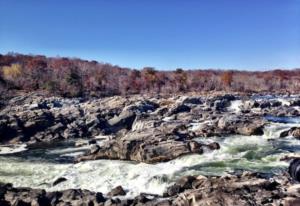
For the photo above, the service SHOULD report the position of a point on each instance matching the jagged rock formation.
(246, 189)
(144, 129)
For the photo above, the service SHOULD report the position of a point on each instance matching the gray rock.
(124, 120)
(178, 108)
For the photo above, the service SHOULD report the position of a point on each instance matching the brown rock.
(296, 132)
(196, 147)
(213, 146)
(117, 191)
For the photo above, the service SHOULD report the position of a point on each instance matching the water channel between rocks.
(38, 168)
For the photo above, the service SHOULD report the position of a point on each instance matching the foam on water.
(10, 149)
(255, 153)
(235, 106)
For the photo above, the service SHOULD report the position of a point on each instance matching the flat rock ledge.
(150, 146)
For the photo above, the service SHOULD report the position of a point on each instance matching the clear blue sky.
(166, 34)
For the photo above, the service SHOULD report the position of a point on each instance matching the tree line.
(72, 77)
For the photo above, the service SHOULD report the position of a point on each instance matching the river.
(40, 167)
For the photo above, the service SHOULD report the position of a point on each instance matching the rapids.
(39, 168)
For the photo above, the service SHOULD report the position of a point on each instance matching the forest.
(73, 77)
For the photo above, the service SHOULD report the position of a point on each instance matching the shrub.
(11, 72)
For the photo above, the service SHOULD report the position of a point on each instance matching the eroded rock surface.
(144, 129)
(247, 189)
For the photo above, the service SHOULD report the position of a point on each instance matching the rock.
(229, 190)
(220, 105)
(246, 189)
(263, 105)
(143, 122)
(251, 129)
(124, 120)
(294, 190)
(144, 106)
(296, 132)
(291, 201)
(92, 141)
(295, 102)
(284, 133)
(178, 108)
(186, 182)
(192, 100)
(213, 146)
(294, 169)
(94, 148)
(173, 190)
(196, 147)
(140, 200)
(243, 125)
(59, 180)
(181, 184)
(117, 191)
(111, 202)
(149, 146)
(276, 104)
(200, 182)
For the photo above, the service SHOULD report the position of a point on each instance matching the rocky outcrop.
(150, 146)
(39, 119)
(294, 132)
(27, 196)
(144, 129)
(241, 125)
(246, 189)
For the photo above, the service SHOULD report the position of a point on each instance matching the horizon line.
(154, 67)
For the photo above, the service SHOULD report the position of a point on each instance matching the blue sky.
(166, 34)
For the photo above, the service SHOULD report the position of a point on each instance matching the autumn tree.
(76, 77)
(226, 78)
(181, 79)
(12, 72)
(150, 78)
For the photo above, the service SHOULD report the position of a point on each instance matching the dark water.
(285, 120)
(46, 153)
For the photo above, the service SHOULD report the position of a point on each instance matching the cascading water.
(38, 168)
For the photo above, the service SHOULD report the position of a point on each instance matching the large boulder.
(150, 146)
(242, 125)
(294, 132)
(294, 169)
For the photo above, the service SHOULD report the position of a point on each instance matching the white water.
(254, 153)
(9, 149)
(235, 106)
